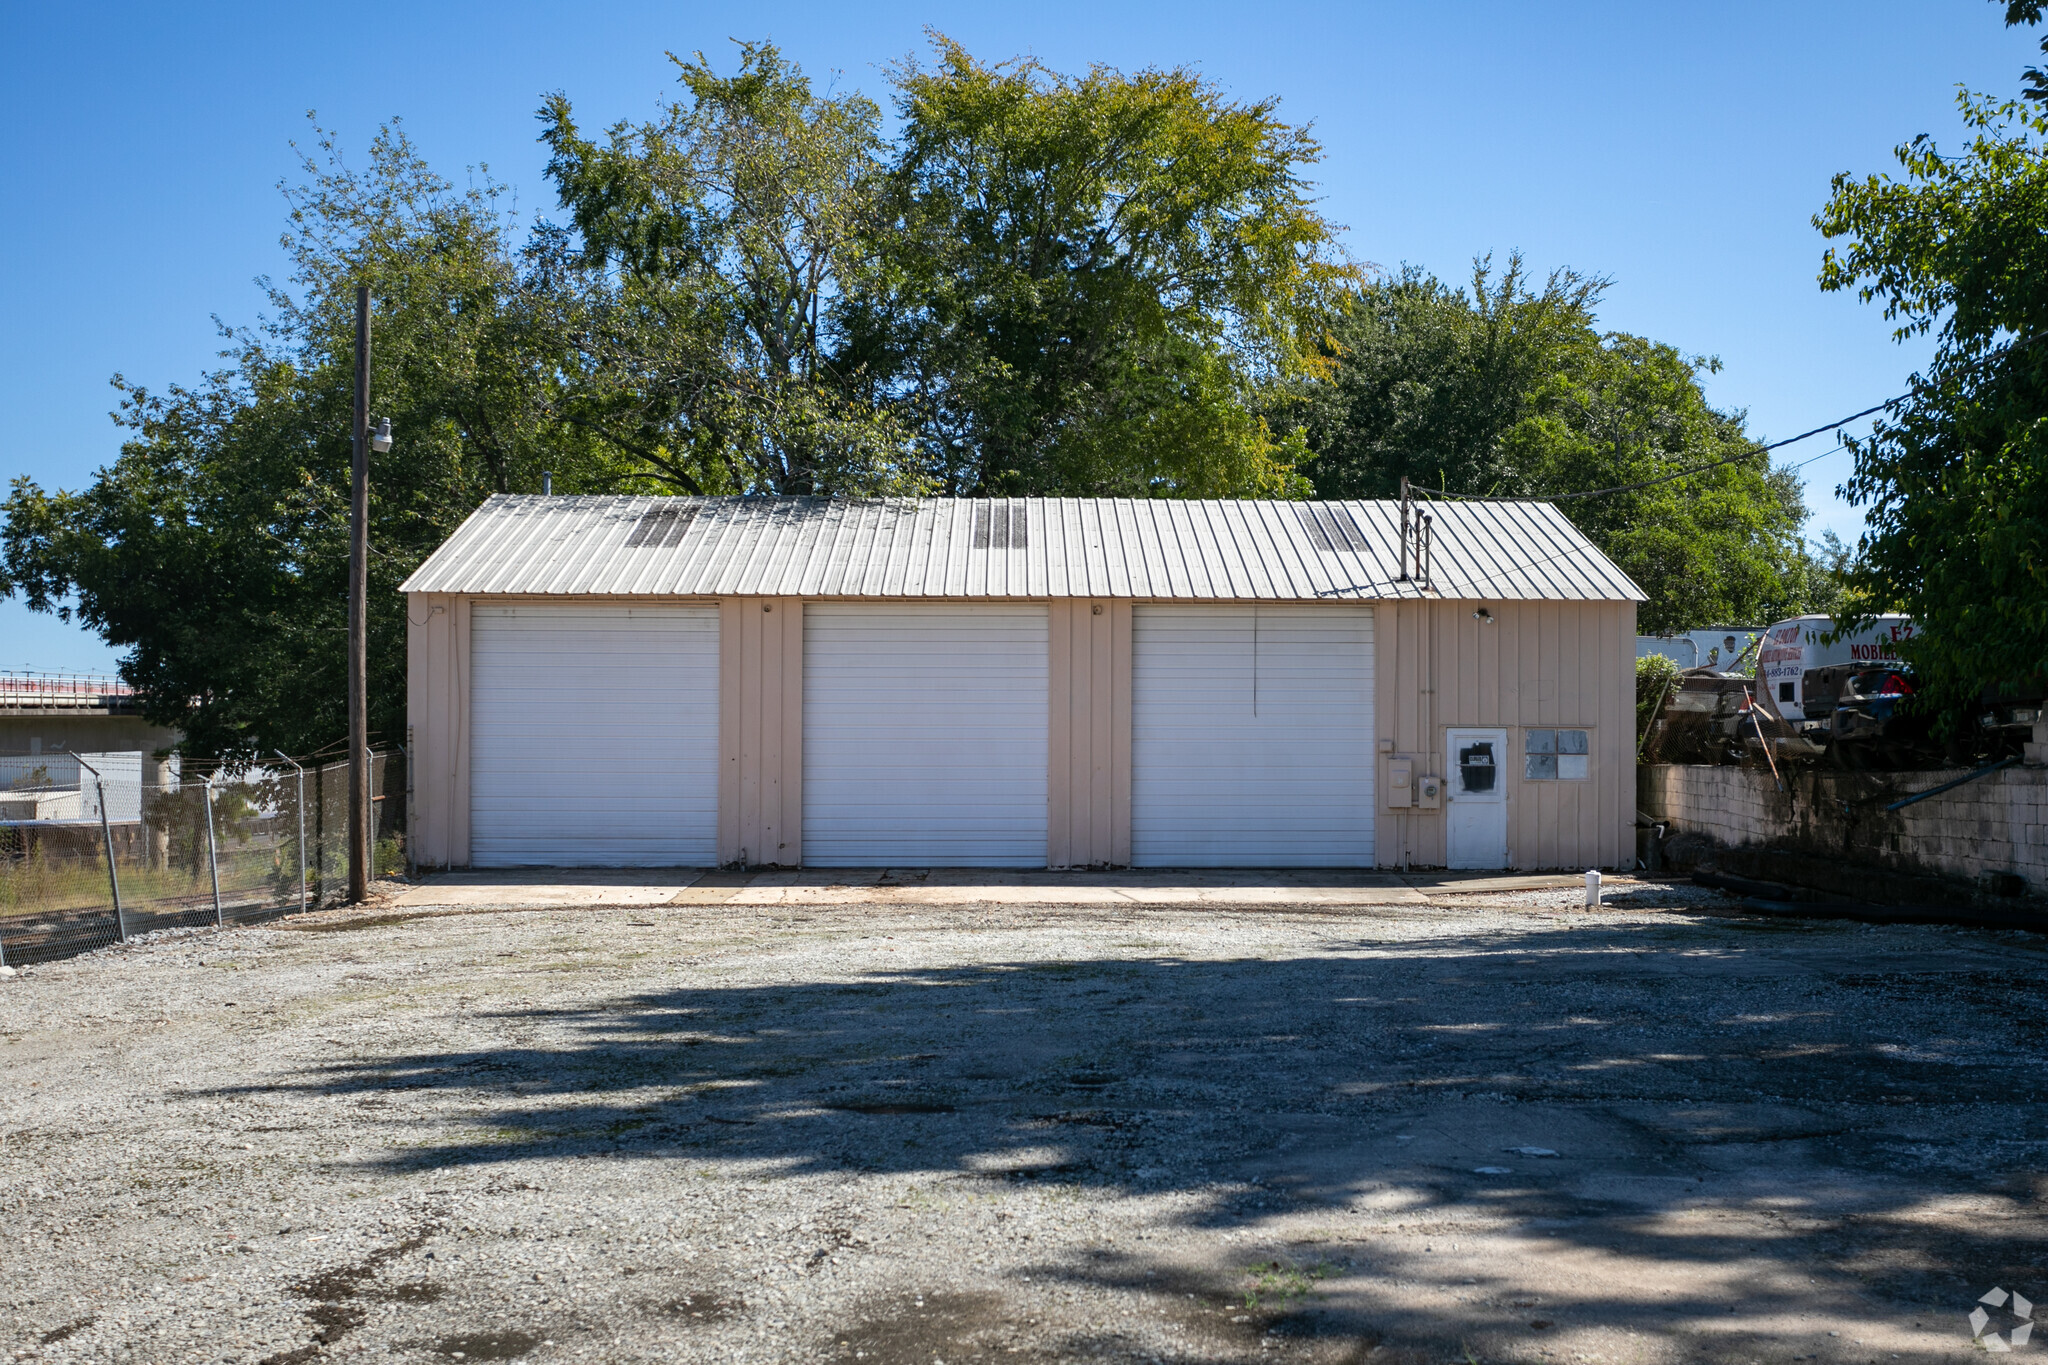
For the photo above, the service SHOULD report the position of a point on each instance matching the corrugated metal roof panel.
(1079, 547)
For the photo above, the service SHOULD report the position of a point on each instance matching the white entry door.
(1476, 817)
(1251, 735)
(925, 734)
(593, 736)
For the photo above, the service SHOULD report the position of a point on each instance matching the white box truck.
(1790, 648)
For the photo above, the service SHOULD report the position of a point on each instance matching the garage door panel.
(925, 735)
(593, 736)
(1252, 736)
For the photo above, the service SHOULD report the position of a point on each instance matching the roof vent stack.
(1407, 507)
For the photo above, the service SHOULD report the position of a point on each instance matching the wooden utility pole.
(358, 618)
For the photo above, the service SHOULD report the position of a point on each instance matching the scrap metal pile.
(1847, 701)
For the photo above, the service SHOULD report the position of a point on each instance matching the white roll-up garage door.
(1251, 736)
(924, 734)
(593, 736)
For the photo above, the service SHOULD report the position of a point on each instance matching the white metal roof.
(1012, 547)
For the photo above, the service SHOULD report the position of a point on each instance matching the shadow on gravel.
(914, 1329)
(1763, 1108)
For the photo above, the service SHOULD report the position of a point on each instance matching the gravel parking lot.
(1481, 1127)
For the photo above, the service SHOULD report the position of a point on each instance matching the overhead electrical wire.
(1503, 571)
(1836, 448)
(2017, 343)
(1751, 453)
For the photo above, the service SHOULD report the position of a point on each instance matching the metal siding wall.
(1542, 664)
(1252, 736)
(791, 610)
(760, 787)
(461, 831)
(1557, 805)
(1618, 734)
(1065, 715)
(437, 716)
(1540, 678)
(594, 735)
(731, 725)
(925, 734)
(1089, 775)
(1406, 704)
(426, 630)
(1117, 666)
(1390, 659)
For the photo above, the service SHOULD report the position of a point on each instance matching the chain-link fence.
(90, 854)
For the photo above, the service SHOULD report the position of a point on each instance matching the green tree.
(215, 547)
(1955, 478)
(735, 305)
(1657, 677)
(711, 253)
(1087, 285)
(1511, 390)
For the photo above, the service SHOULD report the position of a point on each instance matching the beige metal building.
(1019, 683)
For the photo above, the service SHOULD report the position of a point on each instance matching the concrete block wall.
(1996, 824)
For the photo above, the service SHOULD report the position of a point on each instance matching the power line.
(1505, 570)
(1502, 571)
(1837, 448)
(1668, 478)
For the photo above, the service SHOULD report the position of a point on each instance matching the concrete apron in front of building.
(540, 888)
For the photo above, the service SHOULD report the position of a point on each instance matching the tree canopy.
(1116, 283)
(1955, 477)
(1509, 389)
(215, 547)
(1083, 285)
(711, 257)
(1044, 284)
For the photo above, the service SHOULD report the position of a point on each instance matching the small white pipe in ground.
(1593, 888)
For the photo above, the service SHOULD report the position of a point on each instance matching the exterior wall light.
(1483, 617)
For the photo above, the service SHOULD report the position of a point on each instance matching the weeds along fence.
(92, 859)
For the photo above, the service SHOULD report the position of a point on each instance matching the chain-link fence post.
(212, 857)
(412, 864)
(370, 863)
(320, 833)
(302, 825)
(107, 836)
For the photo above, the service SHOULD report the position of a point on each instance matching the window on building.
(1556, 755)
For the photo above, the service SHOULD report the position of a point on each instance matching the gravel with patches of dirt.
(1497, 1128)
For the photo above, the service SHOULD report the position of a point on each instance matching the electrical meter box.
(1429, 793)
(1400, 782)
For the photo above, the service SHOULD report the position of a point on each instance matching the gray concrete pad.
(547, 887)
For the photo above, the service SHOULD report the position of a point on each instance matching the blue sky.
(1681, 150)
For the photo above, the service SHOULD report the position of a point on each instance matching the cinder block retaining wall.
(1995, 824)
